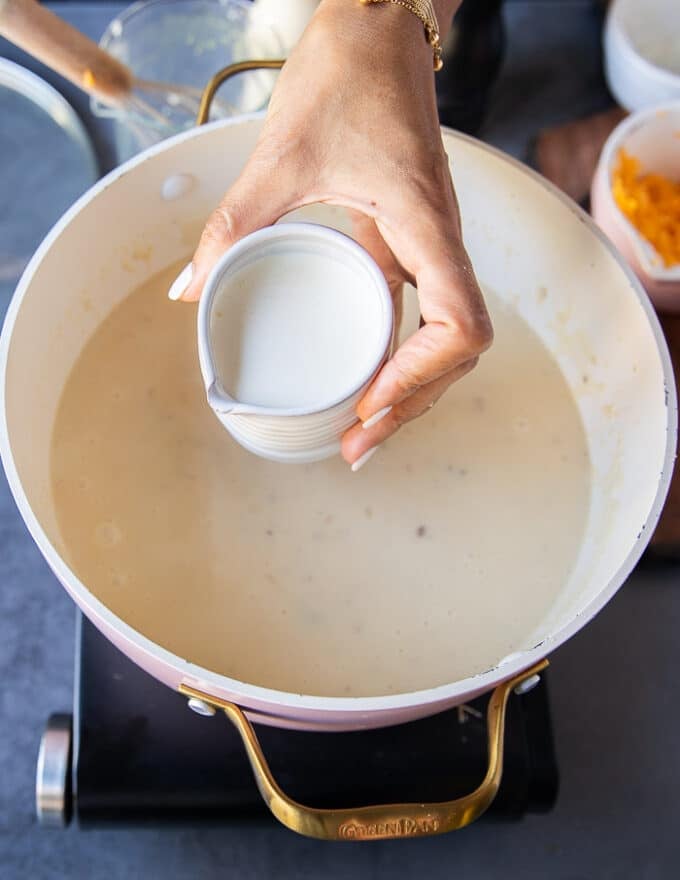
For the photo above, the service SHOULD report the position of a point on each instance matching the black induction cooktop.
(139, 756)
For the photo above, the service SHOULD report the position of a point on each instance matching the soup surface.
(430, 564)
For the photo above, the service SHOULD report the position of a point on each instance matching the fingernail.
(375, 418)
(361, 461)
(180, 284)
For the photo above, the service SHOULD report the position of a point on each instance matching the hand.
(353, 122)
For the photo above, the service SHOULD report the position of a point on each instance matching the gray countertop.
(614, 686)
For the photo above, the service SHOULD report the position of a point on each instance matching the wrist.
(388, 34)
(383, 36)
(444, 10)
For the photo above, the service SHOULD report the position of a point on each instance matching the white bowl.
(283, 344)
(652, 137)
(642, 52)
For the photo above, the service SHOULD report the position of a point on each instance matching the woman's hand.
(353, 122)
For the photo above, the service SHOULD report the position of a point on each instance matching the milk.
(293, 330)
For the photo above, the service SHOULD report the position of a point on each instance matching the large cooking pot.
(523, 237)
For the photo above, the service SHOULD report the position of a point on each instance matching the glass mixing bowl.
(185, 42)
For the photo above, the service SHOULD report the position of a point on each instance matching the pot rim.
(256, 695)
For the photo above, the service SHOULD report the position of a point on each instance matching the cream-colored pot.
(527, 242)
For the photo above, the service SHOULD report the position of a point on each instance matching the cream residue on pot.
(436, 560)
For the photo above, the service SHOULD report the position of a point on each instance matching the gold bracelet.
(424, 11)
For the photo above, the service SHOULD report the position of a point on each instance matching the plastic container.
(642, 52)
(652, 137)
(294, 322)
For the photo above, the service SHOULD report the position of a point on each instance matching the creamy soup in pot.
(437, 559)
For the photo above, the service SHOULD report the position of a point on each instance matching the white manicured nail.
(180, 284)
(361, 461)
(375, 418)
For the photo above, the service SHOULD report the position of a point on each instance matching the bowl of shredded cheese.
(635, 198)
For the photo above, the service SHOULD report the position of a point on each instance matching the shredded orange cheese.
(652, 204)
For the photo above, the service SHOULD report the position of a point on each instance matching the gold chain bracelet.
(425, 12)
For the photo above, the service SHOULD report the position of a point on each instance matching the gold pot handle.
(226, 73)
(386, 821)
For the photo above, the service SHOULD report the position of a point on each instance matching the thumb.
(253, 201)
